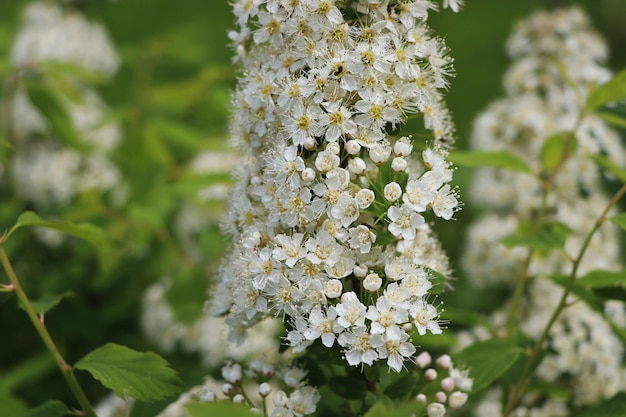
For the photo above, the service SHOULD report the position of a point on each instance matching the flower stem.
(66, 370)
(519, 388)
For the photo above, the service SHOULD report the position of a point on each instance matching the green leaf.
(407, 409)
(488, 360)
(551, 235)
(49, 409)
(48, 301)
(11, 406)
(464, 317)
(49, 105)
(144, 376)
(620, 220)
(27, 371)
(612, 118)
(610, 166)
(610, 92)
(495, 159)
(615, 407)
(600, 278)
(85, 231)
(218, 409)
(348, 387)
(187, 295)
(438, 281)
(556, 148)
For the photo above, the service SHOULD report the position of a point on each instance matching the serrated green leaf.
(84, 231)
(612, 91)
(218, 409)
(488, 360)
(557, 147)
(144, 376)
(610, 166)
(600, 278)
(48, 301)
(551, 235)
(496, 159)
(49, 409)
(612, 118)
(620, 220)
(49, 105)
(614, 407)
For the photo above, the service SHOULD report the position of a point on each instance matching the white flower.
(444, 203)
(365, 198)
(425, 317)
(323, 324)
(404, 221)
(351, 311)
(396, 350)
(361, 238)
(360, 346)
(392, 191)
(333, 288)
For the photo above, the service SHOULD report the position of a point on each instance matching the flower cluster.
(56, 54)
(558, 58)
(453, 389)
(329, 212)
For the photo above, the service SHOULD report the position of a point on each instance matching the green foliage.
(494, 159)
(620, 220)
(218, 409)
(488, 360)
(50, 409)
(50, 106)
(48, 301)
(557, 148)
(143, 376)
(84, 231)
(614, 407)
(403, 410)
(611, 167)
(612, 91)
(547, 237)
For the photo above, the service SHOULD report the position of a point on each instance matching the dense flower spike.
(557, 59)
(58, 48)
(329, 214)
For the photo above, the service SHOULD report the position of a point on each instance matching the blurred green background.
(176, 72)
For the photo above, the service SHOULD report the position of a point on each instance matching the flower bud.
(227, 389)
(308, 175)
(444, 362)
(441, 397)
(392, 191)
(333, 147)
(423, 360)
(364, 198)
(309, 143)
(372, 282)
(360, 271)
(356, 166)
(447, 384)
(403, 147)
(352, 147)
(398, 164)
(379, 153)
(333, 288)
(239, 399)
(264, 389)
(421, 398)
(430, 374)
(457, 399)
(436, 410)
(232, 373)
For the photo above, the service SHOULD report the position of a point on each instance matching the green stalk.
(519, 389)
(66, 370)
